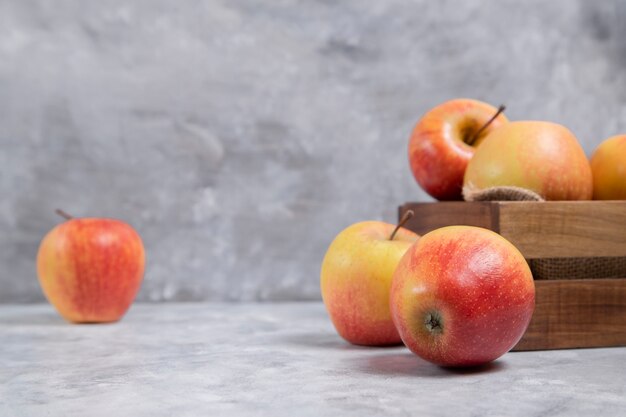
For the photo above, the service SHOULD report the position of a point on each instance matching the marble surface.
(273, 359)
(243, 135)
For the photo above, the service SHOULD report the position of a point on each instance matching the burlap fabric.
(500, 194)
(578, 268)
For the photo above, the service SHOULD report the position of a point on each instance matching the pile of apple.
(465, 147)
(460, 295)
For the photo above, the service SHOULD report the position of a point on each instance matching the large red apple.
(444, 140)
(462, 296)
(543, 157)
(356, 279)
(608, 165)
(90, 269)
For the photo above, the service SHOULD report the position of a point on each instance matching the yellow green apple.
(542, 157)
(608, 165)
(356, 278)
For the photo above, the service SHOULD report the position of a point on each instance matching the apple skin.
(540, 156)
(90, 269)
(608, 165)
(356, 278)
(475, 282)
(438, 154)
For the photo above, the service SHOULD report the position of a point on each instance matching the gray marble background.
(239, 137)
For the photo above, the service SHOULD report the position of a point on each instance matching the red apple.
(444, 140)
(462, 296)
(90, 269)
(543, 157)
(356, 279)
(608, 165)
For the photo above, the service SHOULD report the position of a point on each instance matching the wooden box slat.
(569, 313)
(565, 229)
(435, 215)
(555, 229)
(578, 313)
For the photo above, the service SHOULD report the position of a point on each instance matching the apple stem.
(63, 214)
(405, 218)
(477, 134)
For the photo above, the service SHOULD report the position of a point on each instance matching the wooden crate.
(570, 311)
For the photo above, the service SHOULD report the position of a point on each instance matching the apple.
(608, 165)
(462, 296)
(542, 157)
(444, 141)
(90, 269)
(356, 278)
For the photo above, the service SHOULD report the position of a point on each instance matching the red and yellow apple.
(608, 165)
(444, 141)
(90, 269)
(462, 296)
(543, 157)
(356, 279)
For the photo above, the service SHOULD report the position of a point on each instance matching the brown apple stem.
(405, 218)
(63, 214)
(477, 134)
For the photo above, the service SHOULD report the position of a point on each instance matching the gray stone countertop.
(273, 360)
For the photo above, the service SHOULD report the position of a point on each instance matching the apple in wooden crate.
(462, 296)
(90, 269)
(356, 279)
(542, 157)
(444, 141)
(608, 165)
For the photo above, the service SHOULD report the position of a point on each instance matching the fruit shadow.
(328, 341)
(408, 364)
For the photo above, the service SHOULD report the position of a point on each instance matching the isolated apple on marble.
(608, 165)
(444, 141)
(91, 269)
(356, 279)
(542, 157)
(462, 296)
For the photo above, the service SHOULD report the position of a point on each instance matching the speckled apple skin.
(438, 155)
(355, 280)
(91, 269)
(476, 281)
(540, 156)
(608, 165)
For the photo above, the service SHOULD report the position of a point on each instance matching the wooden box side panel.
(565, 229)
(577, 314)
(555, 229)
(431, 216)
